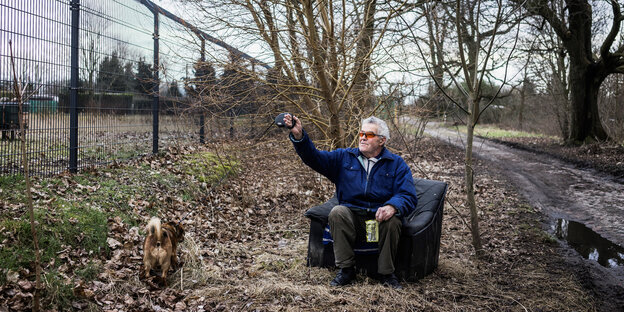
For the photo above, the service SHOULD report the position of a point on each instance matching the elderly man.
(373, 185)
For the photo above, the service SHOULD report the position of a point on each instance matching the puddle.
(589, 243)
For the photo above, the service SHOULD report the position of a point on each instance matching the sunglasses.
(368, 134)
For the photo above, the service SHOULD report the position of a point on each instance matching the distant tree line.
(114, 74)
(238, 90)
(233, 92)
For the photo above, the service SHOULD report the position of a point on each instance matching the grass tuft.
(208, 168)
(63, 226)
(493, 132)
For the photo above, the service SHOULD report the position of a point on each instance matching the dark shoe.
(344, 277)
(390, 280)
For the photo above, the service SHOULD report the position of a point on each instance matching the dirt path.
(569, 198)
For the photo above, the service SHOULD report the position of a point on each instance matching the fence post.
(73, 88)
(202, 122)
(156, 87)
(202, 118)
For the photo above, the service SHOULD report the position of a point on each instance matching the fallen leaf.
(113, 243)
(12, 276)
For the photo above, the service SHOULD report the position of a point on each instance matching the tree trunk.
(318, 64)
(469, 179)
(587, 69)
(584, 116)
(584, 73)
(437, 37)
(31, 210)
(563, 117)
(522, 103)
(335, 131)
(596, 129)
(362, 65)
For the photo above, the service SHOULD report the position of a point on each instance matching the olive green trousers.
(347, 228)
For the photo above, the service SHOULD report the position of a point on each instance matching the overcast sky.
(40, 32)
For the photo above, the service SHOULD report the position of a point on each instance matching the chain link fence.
(90, 89)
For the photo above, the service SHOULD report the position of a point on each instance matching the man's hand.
(384, 213)
(297, 130)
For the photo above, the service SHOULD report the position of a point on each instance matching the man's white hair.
(382, 127)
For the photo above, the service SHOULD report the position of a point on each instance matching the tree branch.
(615, 29)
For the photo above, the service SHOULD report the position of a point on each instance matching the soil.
(607, 159)
(604, 157)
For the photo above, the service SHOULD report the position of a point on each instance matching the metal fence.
(92, 93)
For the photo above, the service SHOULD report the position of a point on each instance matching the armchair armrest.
(321, 212)
(430, 196)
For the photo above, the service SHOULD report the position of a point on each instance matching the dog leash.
(279, 121)
(184, 216)
(266, 130)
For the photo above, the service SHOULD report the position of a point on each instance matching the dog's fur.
(160, 246)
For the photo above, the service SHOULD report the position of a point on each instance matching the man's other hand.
(297, 130)
(384, 213)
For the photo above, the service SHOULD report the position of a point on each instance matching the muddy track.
(569, 198)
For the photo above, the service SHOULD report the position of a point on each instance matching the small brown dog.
(160, 246)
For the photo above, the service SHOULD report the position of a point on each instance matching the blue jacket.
(390, 181)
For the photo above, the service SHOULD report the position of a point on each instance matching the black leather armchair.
(419, 246)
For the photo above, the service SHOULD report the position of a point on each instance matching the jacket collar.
(385, 153)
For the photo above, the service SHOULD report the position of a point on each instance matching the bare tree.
(610, 99)
(579, 27)
(322, 51)
(483, 45)
(362, 66)
(20, 96)
(438, 30)
(91, 46)
(550, 68)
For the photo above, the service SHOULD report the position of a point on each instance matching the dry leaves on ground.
(246, 243)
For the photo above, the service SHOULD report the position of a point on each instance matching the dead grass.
(246, 245)
(519, 273)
